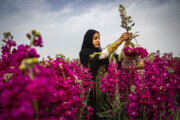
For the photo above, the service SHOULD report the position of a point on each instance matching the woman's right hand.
(125, 36)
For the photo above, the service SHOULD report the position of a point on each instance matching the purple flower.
(128, 51)
(38, 41)
(11, 43)
(135, 51)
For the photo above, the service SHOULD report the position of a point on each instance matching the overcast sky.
(63, 23)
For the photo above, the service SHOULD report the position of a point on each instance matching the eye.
(96, 38)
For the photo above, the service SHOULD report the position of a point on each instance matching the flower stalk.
(127, 23)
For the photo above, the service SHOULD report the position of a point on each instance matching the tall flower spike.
(123, 14)
(127, 23)
(126, 20)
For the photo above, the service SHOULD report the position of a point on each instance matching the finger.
(125, 33)
(127, 36)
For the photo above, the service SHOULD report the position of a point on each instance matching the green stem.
(36, 108)
(31, 73)
(32, 41)
(177, 115)
(64, 76)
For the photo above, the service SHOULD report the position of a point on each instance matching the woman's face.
(96, 40)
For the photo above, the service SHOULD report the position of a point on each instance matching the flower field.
(143, 92)
(59, 88)
(48, 89)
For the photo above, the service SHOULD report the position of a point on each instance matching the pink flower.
(135, 51)
(38, 42)
(128, 51)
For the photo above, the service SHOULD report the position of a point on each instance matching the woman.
(93, 57)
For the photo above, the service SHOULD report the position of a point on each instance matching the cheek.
(95, 43)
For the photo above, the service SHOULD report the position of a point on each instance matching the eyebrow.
(96, 37)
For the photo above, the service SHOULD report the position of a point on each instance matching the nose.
(98, 40)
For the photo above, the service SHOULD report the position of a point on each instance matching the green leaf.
(129, 28)
(123, 26)
(133, 24)
(106, 106)
(8, 76)
(132, 44)
(171, 70)
(136, 40)
(104, 114)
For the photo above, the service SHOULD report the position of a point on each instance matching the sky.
(63, 23)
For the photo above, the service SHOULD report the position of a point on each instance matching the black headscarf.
(88, 47)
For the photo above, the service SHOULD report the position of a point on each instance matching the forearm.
(111, 48)
(104, 54)
(107, 51)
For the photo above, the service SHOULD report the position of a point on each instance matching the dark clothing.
(88, 49)
(98, 68)
(94, 64)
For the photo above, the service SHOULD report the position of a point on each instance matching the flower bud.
(4, 40)
(161, 87)
(37, 34)
(22, 67)
(33, 32)
(29, 61)
(79, 81)
(141, 65)
(12, 37)
(154, 106)
(4, 34)
(28, 35)
(8, 33)
(133, 88)
(46, 63)
(8, 76)
(11, 67)
(35, 60)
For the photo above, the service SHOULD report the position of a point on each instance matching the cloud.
(63, 29)
(61, 33)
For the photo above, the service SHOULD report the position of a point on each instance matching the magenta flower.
(51, 89)
(38, 42)
(135, 51)
(56, 89)
(128, 51)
